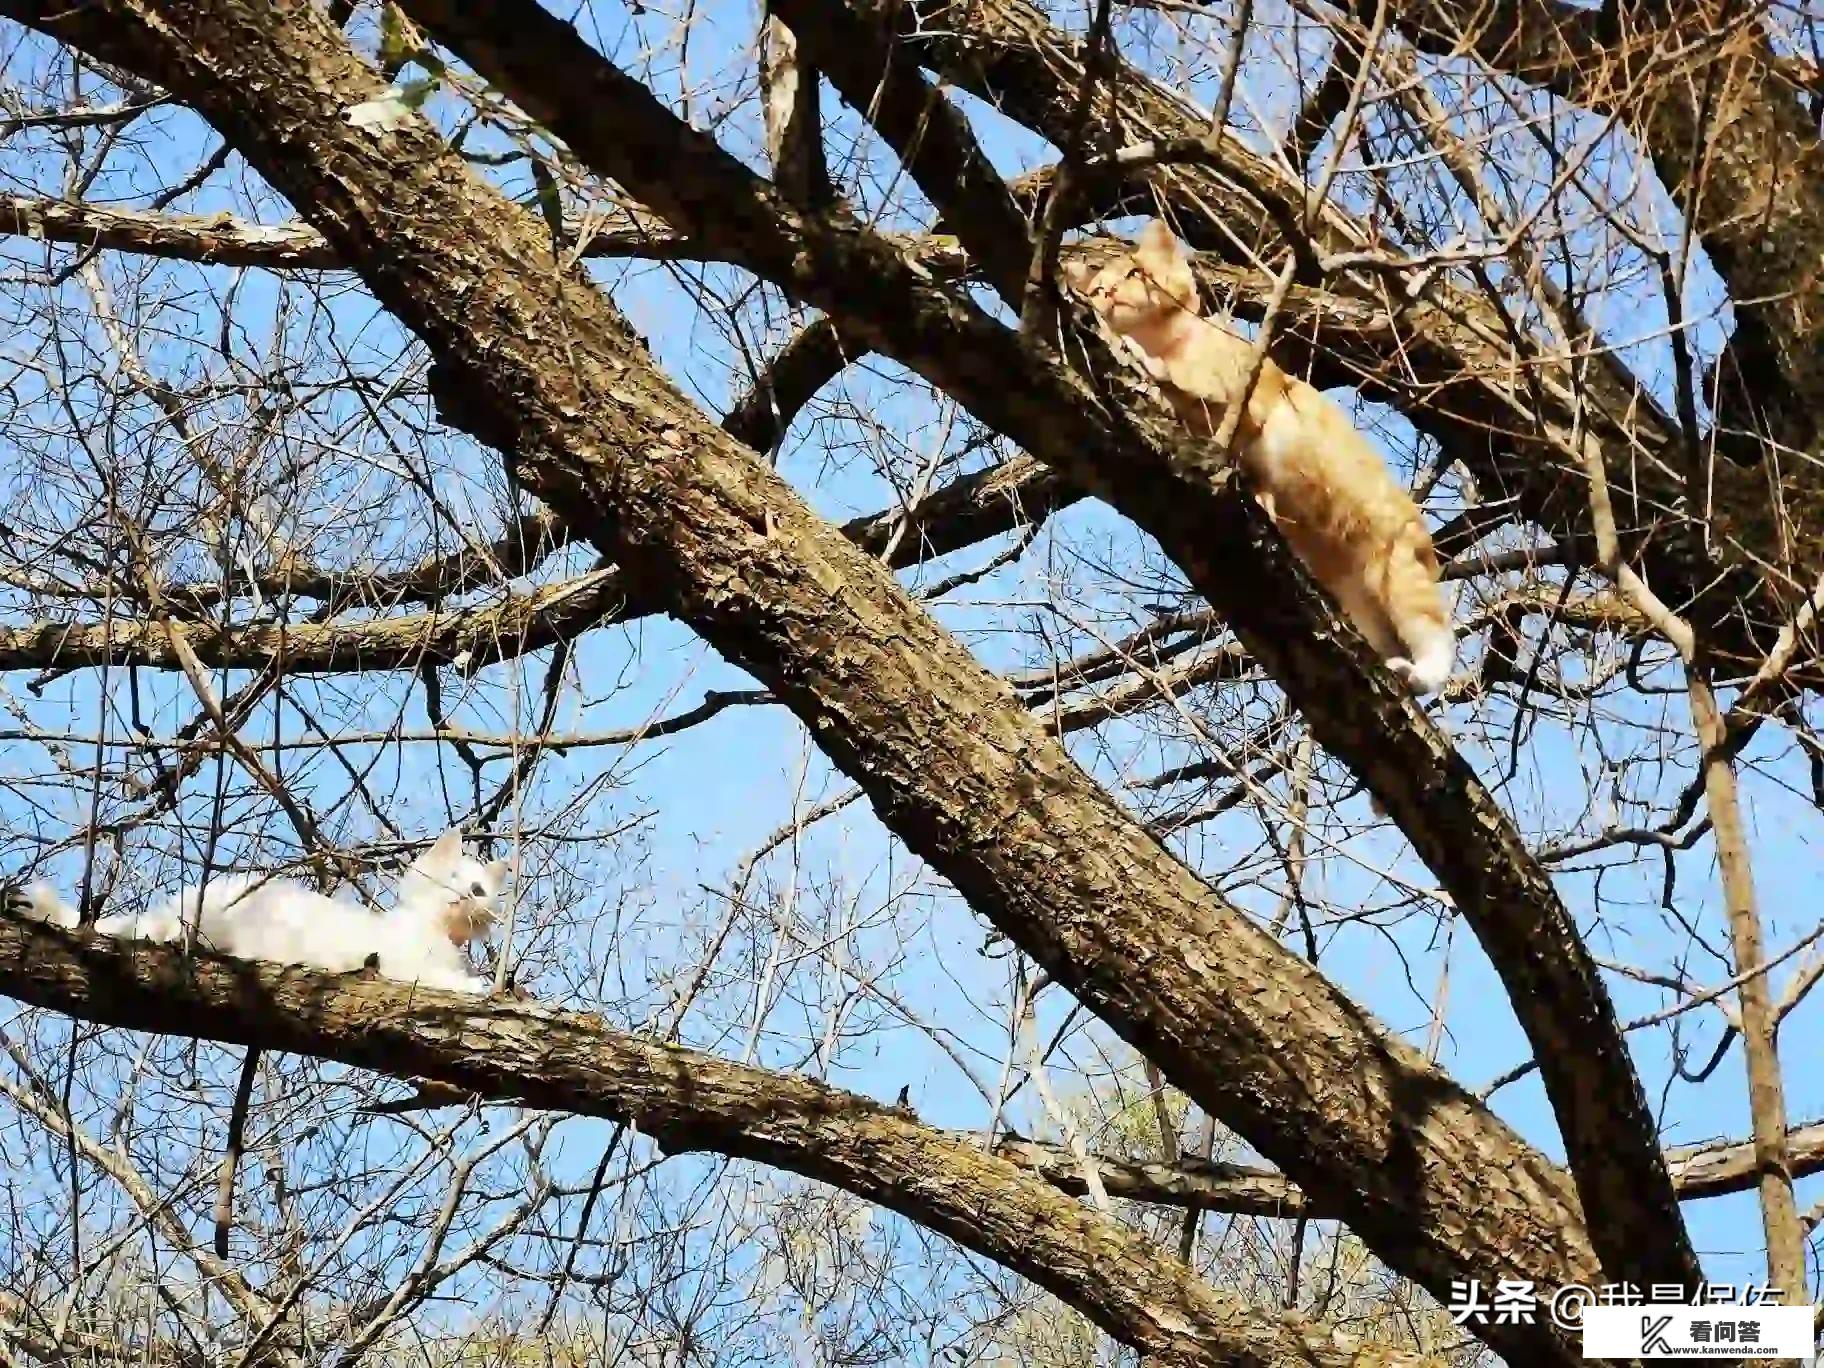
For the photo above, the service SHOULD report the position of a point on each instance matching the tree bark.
(1181, 493)
(1760, 1027)
(526, 1055)
(535, 361)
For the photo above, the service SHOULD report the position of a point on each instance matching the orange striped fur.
(1324, 485)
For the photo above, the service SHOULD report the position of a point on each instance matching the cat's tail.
(40, 903)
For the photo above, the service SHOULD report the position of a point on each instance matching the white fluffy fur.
(444, 900)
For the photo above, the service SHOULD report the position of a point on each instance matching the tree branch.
(986, 503)
(1742, 160)
(466, 637)
(224, 240)
(1005, 52)
(1224, 544)
(534, 360)
(933, 140)
(526, 1055)
(1716, 1169)
(789, 108)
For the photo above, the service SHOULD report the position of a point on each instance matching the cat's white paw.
(1415, 676)
(445, 981)
(1429, 669)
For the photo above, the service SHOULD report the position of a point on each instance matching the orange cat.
(1324, 486)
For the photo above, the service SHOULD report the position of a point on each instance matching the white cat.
(444, 900)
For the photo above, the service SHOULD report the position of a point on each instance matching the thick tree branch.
(1320, 108)
(507, 1051)
(986, 504)
(1698, 1171)
(804, 365)
(466, 637)
(789, 108)
(1700, 86)
(214, 238)
(1716, 1169)
(1445, 364)
(534, 360)
(1224, 544)
(932, 138)
(224, 240)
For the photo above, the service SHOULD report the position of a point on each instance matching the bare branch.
(966, 778)
(686, 1101)
(934, 141)
(1700, 85)
(794, 127)
(224, 240)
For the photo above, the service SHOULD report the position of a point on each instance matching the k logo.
(1653, 1334)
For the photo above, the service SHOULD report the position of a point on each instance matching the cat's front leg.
(454, 981)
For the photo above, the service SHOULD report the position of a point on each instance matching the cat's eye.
(478, 891)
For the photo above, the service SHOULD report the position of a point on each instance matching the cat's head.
(1138, 288)
(458, 892)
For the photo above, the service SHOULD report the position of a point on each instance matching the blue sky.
(706, 798)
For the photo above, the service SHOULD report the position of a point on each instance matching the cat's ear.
(1164, 259)
(1159, 243)
(444, 849)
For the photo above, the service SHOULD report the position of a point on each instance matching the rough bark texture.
(215, 238)
(1005, 52)
(1696, 83)
(1188, 1181)
(1214, 531)
(1443, 361)
(566, 1061)
(535, 361)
